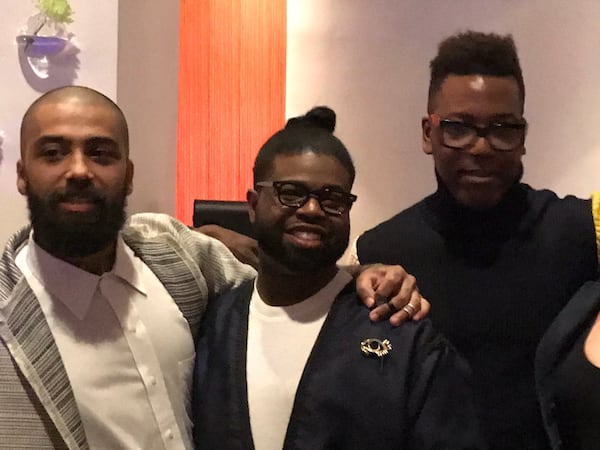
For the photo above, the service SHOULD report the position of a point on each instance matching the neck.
(97, 263)
(278, 286)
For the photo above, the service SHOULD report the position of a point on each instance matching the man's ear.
(21, 178)
(129, 177)
(426, 135)
(252, 199)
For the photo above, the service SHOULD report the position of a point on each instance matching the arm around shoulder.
(220, 268)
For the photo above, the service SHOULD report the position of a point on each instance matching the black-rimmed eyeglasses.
(501, 136)
(295, 195)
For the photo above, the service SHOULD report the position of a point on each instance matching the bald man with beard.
(98, 314)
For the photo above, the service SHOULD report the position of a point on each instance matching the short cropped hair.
(475, 53)
(312, 132)
(59, 93)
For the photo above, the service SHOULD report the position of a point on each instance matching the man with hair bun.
(497, 259)
(98, 314)
(291, 360)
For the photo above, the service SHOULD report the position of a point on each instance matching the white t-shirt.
(280, 339)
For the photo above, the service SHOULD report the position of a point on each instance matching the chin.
(479, 202)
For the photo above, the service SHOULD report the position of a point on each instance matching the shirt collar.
(75, 287)
(311, 308)
(129, 267)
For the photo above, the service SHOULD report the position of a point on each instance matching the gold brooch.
(375, 347)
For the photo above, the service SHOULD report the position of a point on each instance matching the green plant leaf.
(58, 11)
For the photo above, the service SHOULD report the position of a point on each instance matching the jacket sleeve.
(221, 270)
(441, 398)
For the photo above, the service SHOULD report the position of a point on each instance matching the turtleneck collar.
(503, 220)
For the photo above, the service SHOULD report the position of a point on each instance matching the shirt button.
(152, 381)
(169, 434)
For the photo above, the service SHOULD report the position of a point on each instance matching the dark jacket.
(417, 398)
(555, 346)
(496, 280)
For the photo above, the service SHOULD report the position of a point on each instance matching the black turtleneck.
(495, 279)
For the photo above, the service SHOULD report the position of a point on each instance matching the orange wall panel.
(231, 94)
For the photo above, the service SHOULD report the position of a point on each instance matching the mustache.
(75, 192)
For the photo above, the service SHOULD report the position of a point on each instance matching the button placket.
(143, 353)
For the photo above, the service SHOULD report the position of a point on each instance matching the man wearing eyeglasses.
(291, 360)
(496, 258)
(97, 314)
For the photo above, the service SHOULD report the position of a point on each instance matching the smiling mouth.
(477, 177)
(305, 239)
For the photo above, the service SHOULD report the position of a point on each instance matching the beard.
(76, 234)
(295, 259)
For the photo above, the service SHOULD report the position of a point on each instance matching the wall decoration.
(47, 53)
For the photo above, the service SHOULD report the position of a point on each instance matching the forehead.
(311, 168)
(478, 95)
(74, 119)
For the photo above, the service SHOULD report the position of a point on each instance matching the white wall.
(368, 59)
(127, 51)
(95, 35)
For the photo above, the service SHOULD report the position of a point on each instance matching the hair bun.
(319, 117)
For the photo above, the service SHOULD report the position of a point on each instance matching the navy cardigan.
(419, 398)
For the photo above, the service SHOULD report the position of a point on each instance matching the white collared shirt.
(127, 349)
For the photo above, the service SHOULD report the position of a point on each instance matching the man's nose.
(481, 146)
(311, 207)
(79, 166)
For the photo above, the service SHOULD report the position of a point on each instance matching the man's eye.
(335, 198)
(291, 194)
(103, 154)
(51, 153)
(456, 129)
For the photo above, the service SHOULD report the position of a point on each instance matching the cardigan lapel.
(28, 338)
(181, 277)
(566, 326)
(553, 346)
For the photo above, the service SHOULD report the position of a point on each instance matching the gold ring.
(409, 309)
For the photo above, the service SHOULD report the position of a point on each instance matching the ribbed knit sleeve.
(220, 268)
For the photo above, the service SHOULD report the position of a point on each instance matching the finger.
(424, 311)
(407, 311)
(385, 308)
(388, 287)
(365, 288)
(379, 312)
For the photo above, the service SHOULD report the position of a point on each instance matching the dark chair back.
(227, 214)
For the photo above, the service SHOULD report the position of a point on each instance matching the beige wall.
(95, 35)
(129, 51)
(368, 59)
(365, 58)
(147, 93)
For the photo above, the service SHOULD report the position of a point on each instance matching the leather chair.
(227, 214)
